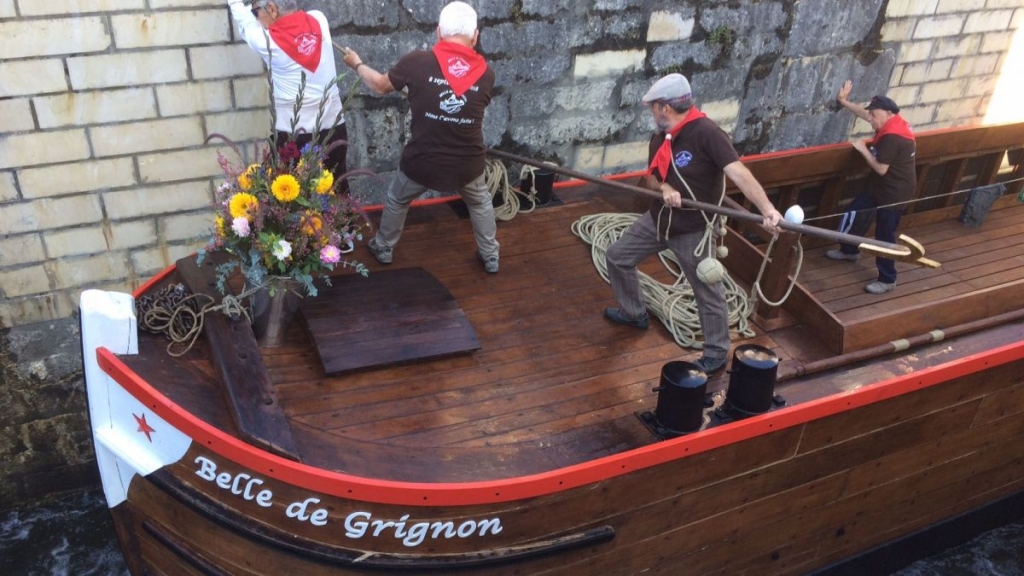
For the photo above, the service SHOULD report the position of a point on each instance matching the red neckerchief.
(896, 126)
(663, 157)
(461, 65)
(298, 34)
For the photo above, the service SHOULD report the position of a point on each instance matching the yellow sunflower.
(323, 186)
(285, 188)
(245, 178)
(242, 205)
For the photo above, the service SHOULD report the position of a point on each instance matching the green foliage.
(722, 36)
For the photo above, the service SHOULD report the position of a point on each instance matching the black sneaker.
(711, 365)
(383, 255)
(619, 317)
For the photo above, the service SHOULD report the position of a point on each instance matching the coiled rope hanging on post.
(673, 304)
(496, 177)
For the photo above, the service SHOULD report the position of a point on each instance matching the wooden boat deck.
(554, 383)
(972, 260)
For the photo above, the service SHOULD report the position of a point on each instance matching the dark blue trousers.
(857, 219)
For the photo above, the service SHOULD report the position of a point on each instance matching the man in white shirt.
(294, 43)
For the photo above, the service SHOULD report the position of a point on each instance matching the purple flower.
(330, 255)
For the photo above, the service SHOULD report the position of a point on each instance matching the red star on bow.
(144, 426)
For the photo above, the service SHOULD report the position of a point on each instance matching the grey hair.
(284, 6)
(680, 105)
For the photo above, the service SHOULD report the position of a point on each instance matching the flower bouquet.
(282, 220)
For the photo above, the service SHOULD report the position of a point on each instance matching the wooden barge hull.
(781, 493)
(526, 457)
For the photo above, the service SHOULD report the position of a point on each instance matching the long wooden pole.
(886, 248)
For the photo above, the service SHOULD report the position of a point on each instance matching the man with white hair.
(891, 184)
(688, 153)
(294, 43)
(449, 88)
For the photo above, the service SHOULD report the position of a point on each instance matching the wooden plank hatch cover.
(389, 317)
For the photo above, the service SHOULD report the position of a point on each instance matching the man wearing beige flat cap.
(689, 156)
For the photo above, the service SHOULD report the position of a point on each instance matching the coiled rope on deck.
(673, 304)
(178, 315)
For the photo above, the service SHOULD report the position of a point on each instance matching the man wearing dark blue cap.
(892, 182)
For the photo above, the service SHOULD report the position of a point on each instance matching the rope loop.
(496, 178)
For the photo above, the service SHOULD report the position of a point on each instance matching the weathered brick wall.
(105, 105)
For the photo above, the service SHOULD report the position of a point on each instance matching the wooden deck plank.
(251, 398)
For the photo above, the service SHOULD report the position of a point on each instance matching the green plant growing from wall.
(723, 36)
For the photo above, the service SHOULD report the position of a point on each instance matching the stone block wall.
(105, 106)
(104, 175)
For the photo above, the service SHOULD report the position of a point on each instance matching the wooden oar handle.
(894, 250)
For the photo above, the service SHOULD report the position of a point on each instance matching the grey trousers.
(641, 241)
(403, 191)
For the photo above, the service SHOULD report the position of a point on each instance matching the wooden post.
(1016, 158)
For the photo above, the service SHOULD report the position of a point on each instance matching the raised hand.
(844, 92)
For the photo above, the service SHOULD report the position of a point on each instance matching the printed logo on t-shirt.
(683, 159)
(458, 67)
(452, 104)
(306, 43)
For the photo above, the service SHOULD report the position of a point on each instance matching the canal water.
(71, 536)
(74, 536)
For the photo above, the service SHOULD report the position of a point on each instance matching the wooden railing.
(824, 179)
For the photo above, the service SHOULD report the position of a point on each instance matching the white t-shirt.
(286, 74)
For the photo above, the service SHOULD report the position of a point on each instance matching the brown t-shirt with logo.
(446, 150)
(700, 152)
(900, 179)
